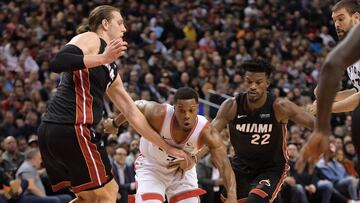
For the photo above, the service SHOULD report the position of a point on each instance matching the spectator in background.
(36, 191)
(124, 174)
(7, 126)
(12, 157)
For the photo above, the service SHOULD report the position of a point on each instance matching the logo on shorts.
(265, 182)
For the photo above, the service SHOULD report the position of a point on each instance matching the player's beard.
(346, 32)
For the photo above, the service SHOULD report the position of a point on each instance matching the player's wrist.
(194, 158)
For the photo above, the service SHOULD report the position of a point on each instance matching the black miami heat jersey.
(79, 96)
(258, 138)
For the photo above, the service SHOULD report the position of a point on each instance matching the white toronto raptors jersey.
(190, 144)
(353, 72)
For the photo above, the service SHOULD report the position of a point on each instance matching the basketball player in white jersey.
(345, 54)
(345, 14)
(181, 127)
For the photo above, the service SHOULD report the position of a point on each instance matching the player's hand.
(182, 164)
(317, 145)
(312, 108)
(114, 50)
(187, 160)
(109, 127)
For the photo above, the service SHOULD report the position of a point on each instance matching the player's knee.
(108, 192)
(257, 196)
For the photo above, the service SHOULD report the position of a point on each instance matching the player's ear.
(356, 17)
(268, 83)
(105, 24)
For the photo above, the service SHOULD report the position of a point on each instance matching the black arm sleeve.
(69, 58)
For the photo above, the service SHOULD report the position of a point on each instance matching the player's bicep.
(211, 138)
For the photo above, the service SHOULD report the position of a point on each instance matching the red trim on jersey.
(96, 168)
(187, 194)
(61, 185)
(187, 136)
(97, 157)
(150, 196)
(131, 198)
(84, 100)
(280, 183)
(259, 192)
(242, 200)
(79, 117)
(200, 142)
(284, 144)
(88, 96)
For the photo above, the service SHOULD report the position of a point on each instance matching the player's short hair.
(257, 66)
(351, 6)
(185, 93)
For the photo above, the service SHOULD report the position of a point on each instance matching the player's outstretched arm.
(151, 111)
(346, 105)
(79, 53)
(217, 148)
(286, 109)
(126, 105)
(345, 54)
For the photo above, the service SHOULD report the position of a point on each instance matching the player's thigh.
(150, 187)
(184, 187)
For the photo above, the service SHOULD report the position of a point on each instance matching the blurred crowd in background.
(172, 44)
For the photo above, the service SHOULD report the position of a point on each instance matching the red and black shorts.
(74, 157)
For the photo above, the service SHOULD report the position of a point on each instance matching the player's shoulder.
(229, 102)
(89, 42)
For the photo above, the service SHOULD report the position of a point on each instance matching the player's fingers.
(173, 165)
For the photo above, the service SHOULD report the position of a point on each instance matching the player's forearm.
(202, 152)
(229, 179)
(346, 105)
(119, 120)
(341, 95)
(327, 88)
(127, 107)
(226, 172)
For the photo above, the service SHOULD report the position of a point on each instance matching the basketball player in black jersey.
(257, 123)
(345, 54)
(73, 155)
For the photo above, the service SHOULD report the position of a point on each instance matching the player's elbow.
(332, 67)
